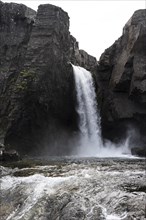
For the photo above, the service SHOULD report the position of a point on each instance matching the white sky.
(95, 24)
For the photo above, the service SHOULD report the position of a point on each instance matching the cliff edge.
(122, 78)
(37, 95)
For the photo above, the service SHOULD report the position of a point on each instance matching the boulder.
(137, 151)
(9, 155)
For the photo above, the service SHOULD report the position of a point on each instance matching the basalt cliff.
(37, 96)
(122, 80)
(37, 91)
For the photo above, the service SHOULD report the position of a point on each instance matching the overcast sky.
(95, 24)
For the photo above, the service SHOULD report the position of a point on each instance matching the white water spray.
(89, 120)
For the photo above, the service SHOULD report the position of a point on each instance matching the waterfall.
(90, 141)
(89, 118)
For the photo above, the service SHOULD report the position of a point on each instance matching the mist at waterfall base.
(90, 142)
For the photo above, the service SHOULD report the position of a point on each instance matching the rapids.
(75, 189)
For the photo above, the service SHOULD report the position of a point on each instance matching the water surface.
(72, 188)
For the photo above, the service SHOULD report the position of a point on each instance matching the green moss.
(24, 78)
(21, 86)
(27, 74)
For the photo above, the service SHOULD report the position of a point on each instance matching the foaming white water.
(91, 188)
(111, 150)
(89, 120)
(34, 187)
(113, 217)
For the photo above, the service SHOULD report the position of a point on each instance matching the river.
(72, 188)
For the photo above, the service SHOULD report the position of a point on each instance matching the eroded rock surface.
(122, 79)
(37, 105)
(16, 23)
(37, 92)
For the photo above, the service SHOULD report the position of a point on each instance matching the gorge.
(37, 87)
(69, 123)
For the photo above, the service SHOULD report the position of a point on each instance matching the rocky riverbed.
(74, 188)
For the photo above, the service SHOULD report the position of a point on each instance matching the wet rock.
(10, 155)
(2, 148)
(7, 154)
(137, 151)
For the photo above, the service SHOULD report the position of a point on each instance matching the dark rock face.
(37, 96)
(80, 57)
(15, 27)
(122, 79)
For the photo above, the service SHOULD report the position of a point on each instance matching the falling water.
(89, 118)
(90, 141)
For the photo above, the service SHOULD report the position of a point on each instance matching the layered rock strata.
(122, 80)
(37, 95)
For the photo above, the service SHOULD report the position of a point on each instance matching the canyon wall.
(121, 75)
(37, 91)
(37, 95)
